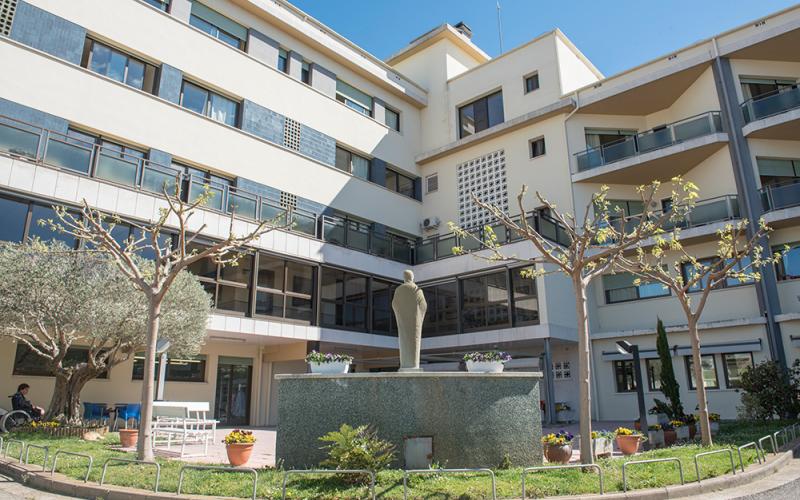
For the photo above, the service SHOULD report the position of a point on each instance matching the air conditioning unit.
(430, 223)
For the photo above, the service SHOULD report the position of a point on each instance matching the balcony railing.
(651, 140)
(364, 237)
(771, 103)
(719, 209)
(782, 195)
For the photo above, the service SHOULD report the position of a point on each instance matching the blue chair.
(95, 412)
(128, 411)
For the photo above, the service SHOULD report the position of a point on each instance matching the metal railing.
(771, 103)
(551, 467)
(651, 140)
(72, 454)
(409, 472)
(780, 195)
(708, 211)
(653, 461)
(132, 461)
(9, 442)
(367, 472)
(44, 448)
(362, 236)
(714, 452)
(751, 444)
(774, 445)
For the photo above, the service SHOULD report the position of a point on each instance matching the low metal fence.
(714, 452)
(222, 469)
(574, 466)
(73, 454)
(655, 460)
(46, 450)
(132, 461)
(772, 443)
(748, 445)
(9, 442)
(409, 472)
(370, 473)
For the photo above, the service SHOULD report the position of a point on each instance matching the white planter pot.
(656, 438)
(682, 433)
(714, 426)
(485, 366)
(333, 368)
(603, 447)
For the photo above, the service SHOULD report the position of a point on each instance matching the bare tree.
(170, 259)
(594, 244)
(738, 258)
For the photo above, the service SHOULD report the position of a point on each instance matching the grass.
(390, 483)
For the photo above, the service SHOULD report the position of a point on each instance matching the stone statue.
(409, 308)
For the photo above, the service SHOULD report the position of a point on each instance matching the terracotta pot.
(558, 454)
(239, 453)
(128, 437)
(637, 425)
(628, 445)
(670, 437)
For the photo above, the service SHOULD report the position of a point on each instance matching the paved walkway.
(263, 451)
(784, 484)
(11, 490)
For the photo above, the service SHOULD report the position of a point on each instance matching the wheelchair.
(10, 420)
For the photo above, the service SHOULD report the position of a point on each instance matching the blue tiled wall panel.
(317, 145)
(310, 206)
(262, 122)
(33, 116)
(418, 188)
(169, 83)
(377, 172)
(270, 193)
(42, 30)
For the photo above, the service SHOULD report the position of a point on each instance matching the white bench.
(184, 423)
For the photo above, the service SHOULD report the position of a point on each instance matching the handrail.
(21, 448)
(573, 466)
(132, 461)
(39, 447)
(408, 472)
(652, 461)
(772, 442)
(370, 473)
(219, 468)
(748, 445)
(731, 210)
(714, 452)
(82, 455)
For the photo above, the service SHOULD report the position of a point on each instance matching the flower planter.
(714, 426)
(656, 438)
(628, 445)
(128, 437)
(602, 447)
(485, 366)
(558, 454)
(692, 430)
(670, 438)
(239, 453)
(332, 368)
(682, 433)
(662, 419)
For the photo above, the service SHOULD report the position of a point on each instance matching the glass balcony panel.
(590, 159)
(18, 142)
(114, 168)
(425, 252)
(471, 244)
(501, 232)
(242, 205)
(772, 104)
(444, 246)
(277, 215)
(547, 228)
(784, 196)
(381, 245)
(304, 223)
(70, 156)
(693, 128)
(655, 139)
(156, 180)
(357, 236)
(401, 250)
(333, 231)
(618, 150)
(713, 211)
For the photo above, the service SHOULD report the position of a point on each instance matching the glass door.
(234, 376)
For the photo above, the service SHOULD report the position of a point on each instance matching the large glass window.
(353, 163)
(40, 226)
(774, 171)
(210, 104)
(228, 285)
(28, 362)
(283, 60)
(709, 366)
(441, 317)
(284, 289)
(653, 366)
(735, 364)
(218, 26)
(620, 287)
(353, 98)
(159, 4)
(179, 369)
(526, 301)
(13, 215)
(480, 114)
(789, 266)
(118, 66)
(343, 299)
(763, 87)
(392, 119)
(688, 271)
(623, 374)
(485, 301)
(383, 320)
(400, 183)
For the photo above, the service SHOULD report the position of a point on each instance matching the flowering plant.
(654, 427)
(602, 434)
(560, 438)
(328, 357)
(624, 431)
(713, 417)
(489, 356)
(44, 425)
(239, 436)
(677, 423)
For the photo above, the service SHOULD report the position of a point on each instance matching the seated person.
(20, 402)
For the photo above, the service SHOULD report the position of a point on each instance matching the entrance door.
(234, 376)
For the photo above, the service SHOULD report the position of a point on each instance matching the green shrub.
(356, 448)
(770, 392)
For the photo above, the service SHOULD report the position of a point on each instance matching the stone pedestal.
(474, 418)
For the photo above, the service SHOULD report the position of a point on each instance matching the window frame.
(350, 155)
(352, 103)
(217, 281)
(203, 358)
(606, 296)
(725, 367)
(780, 266)
(397, 177)
(207, 103)
(513, 297)
(284, 290)
(532, 147)
(27, 351)
(651, 376)
(619, 367)
(388, 110)
(484, 101)
(149, 85)
(700, 286)
(343, 301)
(484, 304)
(687, 364)
(530, 77)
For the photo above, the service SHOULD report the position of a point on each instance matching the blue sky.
(614, 35)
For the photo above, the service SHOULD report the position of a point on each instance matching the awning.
(685, 350)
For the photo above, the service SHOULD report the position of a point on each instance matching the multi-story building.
(280, 116)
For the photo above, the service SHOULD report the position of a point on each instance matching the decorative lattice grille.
(288, 200)
(486, 177)
(7, 10)
(291, 134)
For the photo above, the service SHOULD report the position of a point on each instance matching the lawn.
(390, 483)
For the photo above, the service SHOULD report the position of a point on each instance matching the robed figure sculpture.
(409, 308)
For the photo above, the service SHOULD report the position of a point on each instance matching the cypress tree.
(669, 386)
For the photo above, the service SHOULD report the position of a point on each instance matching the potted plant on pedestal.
(558, 447)
(628, 441)
(329, 363)
(239, 446)
(655, 434)
(713, 421)
(681, 431)
(486, 362)
(603, 443)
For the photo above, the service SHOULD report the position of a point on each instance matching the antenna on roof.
(499, 27)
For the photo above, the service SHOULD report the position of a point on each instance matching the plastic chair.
(128, 411)
(95, 411)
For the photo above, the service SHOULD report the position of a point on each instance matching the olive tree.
(594, 243)
(53, 299)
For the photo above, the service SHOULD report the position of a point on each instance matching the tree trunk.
(65, 405)
(144, 449)
(584, 375)
(700, 387)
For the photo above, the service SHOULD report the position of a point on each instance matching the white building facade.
(280, 116)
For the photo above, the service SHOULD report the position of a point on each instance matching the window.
(531, 82)
(392, 119)
(159, 4)
(734, 364)
(343, 299)
(284, 289)
(16, 225)
(45, 233)
(432, 183)
(623, 374)
(383, 320)
(620, 287)
(400, 183)
(13, 215)
(220, 27)
(305, 73)
(778, 171)
(210, 104)
(753, 88)
(688, 271)
(283, 60)
(787, 269)
(485, 301)
(353, 98)
(480, 114)
(525, 299)
(441, 317)
(352, 163)
(562, 370)
(709, 366)
(601, 137)
(653, 366)
(228, 285)
(537, 147)
(27, 362)
(179, 369)
(118, 66)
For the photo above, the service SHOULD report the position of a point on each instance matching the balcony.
(364, 237)
(712, 210)
(660, 153)
(780, 196)
(774, 115)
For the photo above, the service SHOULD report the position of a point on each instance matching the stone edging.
(61, 484)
